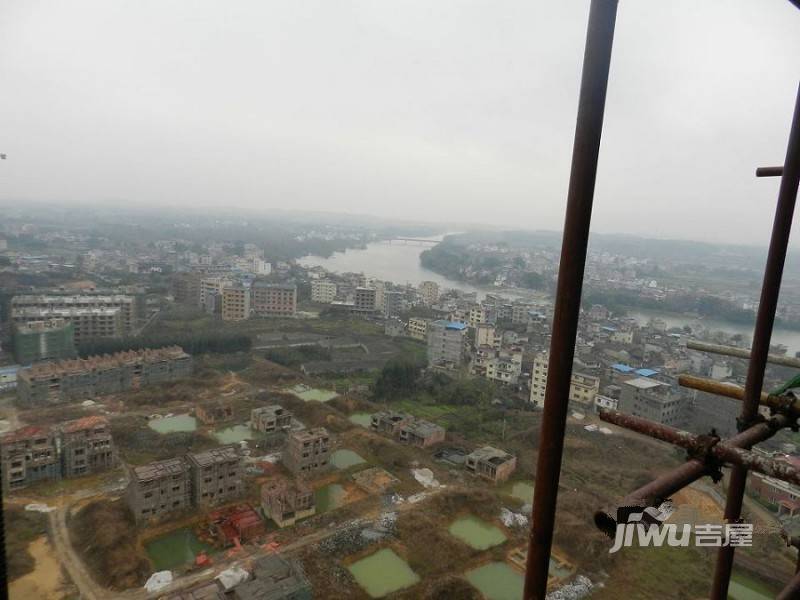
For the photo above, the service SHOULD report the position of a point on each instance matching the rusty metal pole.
(765, 319)
(585, 152)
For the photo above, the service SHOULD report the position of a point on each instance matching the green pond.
(173, 424)
(383, 573)
(344, 459)
(329, 497)
(232, 435)
(363, 419)
(175, 549)
(746, 587)
(497, 581)
(521, 490)
(477, 533)
(306, 393)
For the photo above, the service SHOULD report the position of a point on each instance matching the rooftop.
(214, 456)
(643, 383)
(160, 468)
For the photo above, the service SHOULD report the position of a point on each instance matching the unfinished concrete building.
(270, 419)
(216, 476)
(29, 455)
(389, 421)
(286, 502)
(421, 433)
(159, 488)
(213, 412)
(491, 464)
(307, 451)
(275, 578)
(87, 446)
(57, 306)
(58, 381)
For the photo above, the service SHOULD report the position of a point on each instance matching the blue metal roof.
(622, 368)
(646, 372)
(456, 325)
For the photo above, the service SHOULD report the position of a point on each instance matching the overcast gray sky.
(422, 109)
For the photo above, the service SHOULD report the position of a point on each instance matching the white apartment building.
(418, 328)
(429, 292)
(323, 291)
(485, 335)
(583, 388)
(210, 286)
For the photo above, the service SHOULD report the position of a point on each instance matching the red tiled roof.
(84, 423)
(24, 433)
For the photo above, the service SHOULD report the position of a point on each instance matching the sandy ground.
(691, 502)
(45, 581)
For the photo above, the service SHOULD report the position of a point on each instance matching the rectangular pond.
(234, 434)
(496, 581)
(383, 573)
(521, 490)
(344, 459)
(173, 424)
(312, 394)
(477, 533)
(329, 497)
(361, 418)
(175, 549)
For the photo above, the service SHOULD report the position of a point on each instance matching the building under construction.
(286, 502)
(59, 381)
(159, 488)
(307, 451)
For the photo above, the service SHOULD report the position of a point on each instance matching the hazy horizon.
(456, 113)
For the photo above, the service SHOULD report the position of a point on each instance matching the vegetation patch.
(21, 528)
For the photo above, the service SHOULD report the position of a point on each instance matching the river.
(399, 262)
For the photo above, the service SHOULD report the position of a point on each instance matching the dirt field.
(45, 582)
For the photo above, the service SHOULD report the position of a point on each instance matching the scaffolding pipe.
(712, 446)
(791, 591)
(765, 319)
(583, 174)
(672, 481)
(791, 406)
(769, 171)
(775, 359)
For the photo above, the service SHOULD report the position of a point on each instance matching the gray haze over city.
(449, 110)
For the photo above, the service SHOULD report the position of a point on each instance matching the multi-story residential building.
(418, 328)
(44, 340)
(87, 446)
(505, 366)
(216, 476)
(365, 300)
(87, 323)
(446, 343)
(212, 287)
(287, 502)
(159, 488)
(783, 495)
(270, 419)
(393, 301)
(214, 411)
(235, 303)
(582, 389)
(274, 299)
(58, 381)
(323, 291)
(485, 335)
(477, 315)
(125, 304)
(491, 464)
(307, 451)
(429, 292)
(29, 455)
(186, 288)
(651, 399)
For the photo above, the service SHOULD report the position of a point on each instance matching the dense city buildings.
(159, 488)
(235, 303)
(307, 451)
(44, 340)
(211, 289)
(274, 299)
(186, 288)
(323, 291)
(418, 328)
(446, 343)
(59, 381)
(365, 300)
(583, 388)
(216, 476)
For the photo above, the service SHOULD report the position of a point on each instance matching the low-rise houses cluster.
(43, 453)
(53, 382)
(407, 428)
